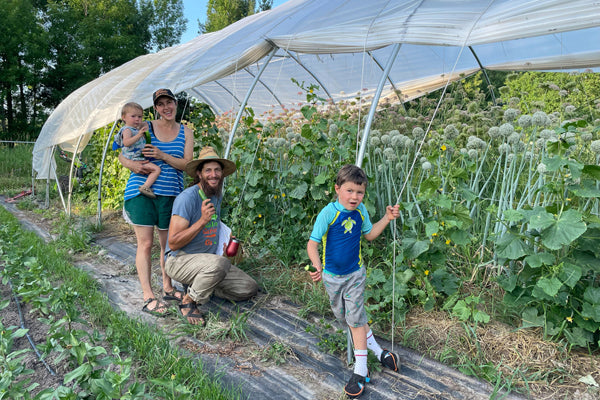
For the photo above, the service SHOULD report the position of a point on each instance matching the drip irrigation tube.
(27, 334)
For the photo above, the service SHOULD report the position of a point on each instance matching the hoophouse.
(399, 49)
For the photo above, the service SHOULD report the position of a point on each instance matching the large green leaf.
(431, 227)
(565, 229)
(570, 274)
(461, 310)
(590, 311)
(376, 276)
(300, 191)
(592, 170)
(539, 218)
(531, 318)
(550, 286)
(513, 215)
(539, 259)
(592, 294)
(511, 246)
(578, 337)
(414, 248)
(586, 189)
(460, 237)
(445, 282)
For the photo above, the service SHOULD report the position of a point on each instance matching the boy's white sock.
(360, 362)
(373, 345)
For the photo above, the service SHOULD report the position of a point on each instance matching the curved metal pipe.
(243, 104)
(363, 143)
(101, 170)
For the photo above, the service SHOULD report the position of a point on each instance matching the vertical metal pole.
(243, 105)
(110, 135)
(47, 203)
(32, 181)
(363, 143)
(62, 198)
(71, 175)
(349, 345)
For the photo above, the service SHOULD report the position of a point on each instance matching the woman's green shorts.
(144, 211)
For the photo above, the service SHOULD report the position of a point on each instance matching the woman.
(171, 149)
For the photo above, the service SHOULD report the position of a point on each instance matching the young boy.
(339, 227)
(132, 138)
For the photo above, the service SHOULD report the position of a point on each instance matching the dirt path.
(311, 374)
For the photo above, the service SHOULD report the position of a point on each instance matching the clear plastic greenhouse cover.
(342, 46)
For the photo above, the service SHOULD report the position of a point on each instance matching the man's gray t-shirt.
(188, 205)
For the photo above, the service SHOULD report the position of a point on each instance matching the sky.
(195, 10)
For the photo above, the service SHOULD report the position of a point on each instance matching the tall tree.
(22, 44)
(168, 22)
(221, 13)
(49, 48)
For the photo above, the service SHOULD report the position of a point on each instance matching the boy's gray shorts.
(347, 296)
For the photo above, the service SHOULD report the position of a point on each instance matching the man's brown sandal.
(193, 314)
(154, 310)
(174, 294)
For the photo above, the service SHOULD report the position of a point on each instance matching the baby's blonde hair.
(130, 106)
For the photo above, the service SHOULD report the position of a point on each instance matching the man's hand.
(208, 210)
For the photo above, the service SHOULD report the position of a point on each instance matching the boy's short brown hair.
(130, 106)
(351, 173)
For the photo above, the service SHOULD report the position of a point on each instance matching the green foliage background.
(505, 195)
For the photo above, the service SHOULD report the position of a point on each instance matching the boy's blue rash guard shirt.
(340, 231)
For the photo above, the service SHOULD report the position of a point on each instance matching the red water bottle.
(232, 247)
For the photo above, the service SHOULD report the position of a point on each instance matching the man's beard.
(209, 190)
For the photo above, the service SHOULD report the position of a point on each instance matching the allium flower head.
(418, 132)
(513, 138)
(510, 114)
(472, 153)
(524, 121)
(494, 132)
(540, 143)
(546, 133)
(397, 140)
(504, 148)
(374, 141)
(426, 166)
(586, 136)
(570, 109)
(390, 154)
(595, 146)
(450, 132)
(506, 129)
(541, 168)
(570, 137)
(540, 118)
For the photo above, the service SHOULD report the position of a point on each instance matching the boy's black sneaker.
(356, 385)
(390, 360)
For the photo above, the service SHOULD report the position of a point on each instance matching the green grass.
(151, 349)
(15, 168)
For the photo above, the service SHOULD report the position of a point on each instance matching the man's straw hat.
(209, 154)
